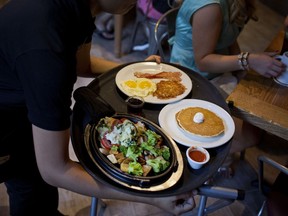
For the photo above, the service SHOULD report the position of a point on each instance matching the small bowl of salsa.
(197, 156)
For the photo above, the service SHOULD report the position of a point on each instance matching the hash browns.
(169, 89)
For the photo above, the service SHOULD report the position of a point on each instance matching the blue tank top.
(182, 51)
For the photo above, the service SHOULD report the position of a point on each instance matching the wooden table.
(261, 101)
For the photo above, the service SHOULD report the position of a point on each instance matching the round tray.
(105, 86)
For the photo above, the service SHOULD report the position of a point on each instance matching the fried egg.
(140, 87)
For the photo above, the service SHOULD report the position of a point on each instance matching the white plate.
(280, 83)
(168, 122)
(152, 67)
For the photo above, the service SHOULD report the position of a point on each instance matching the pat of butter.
(198, 118)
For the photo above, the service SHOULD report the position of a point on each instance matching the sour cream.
(198, 118)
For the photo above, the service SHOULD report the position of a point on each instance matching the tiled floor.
(255, 37)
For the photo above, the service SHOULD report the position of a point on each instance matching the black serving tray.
(97, 108)
(105, 86)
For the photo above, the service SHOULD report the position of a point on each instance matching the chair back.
(277, 195)
(170, 19)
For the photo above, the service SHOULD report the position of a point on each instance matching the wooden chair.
(276, 201)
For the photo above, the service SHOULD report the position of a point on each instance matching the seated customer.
(206, 42)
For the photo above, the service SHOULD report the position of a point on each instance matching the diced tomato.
(123, 119)
(105, 143)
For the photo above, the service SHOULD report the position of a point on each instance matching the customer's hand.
(176, 205)
(266, 64)
(155, 58)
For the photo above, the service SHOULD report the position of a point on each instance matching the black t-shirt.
(38, 44)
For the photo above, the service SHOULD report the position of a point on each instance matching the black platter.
(96, 108)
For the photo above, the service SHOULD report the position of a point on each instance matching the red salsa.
(197, 156)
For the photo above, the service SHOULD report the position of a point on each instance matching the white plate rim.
(167, 122)
(127, 72)
(279, 82)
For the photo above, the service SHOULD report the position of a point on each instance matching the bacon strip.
(173, 76)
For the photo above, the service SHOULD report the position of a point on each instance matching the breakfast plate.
(168, 122)
(127, 73)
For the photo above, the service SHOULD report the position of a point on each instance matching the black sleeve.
(47, 80)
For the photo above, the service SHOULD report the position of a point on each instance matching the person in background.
(150, 10)
(286, 27)
(286, 22)
(206, 42)
(44, 45)
(104, 23)
(285, 42)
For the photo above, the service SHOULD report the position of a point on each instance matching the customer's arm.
(207, 24)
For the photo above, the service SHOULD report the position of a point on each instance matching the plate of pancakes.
(155, 83)
(197, 122)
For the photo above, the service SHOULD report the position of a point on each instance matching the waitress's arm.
(91, 66)
(56, 168)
